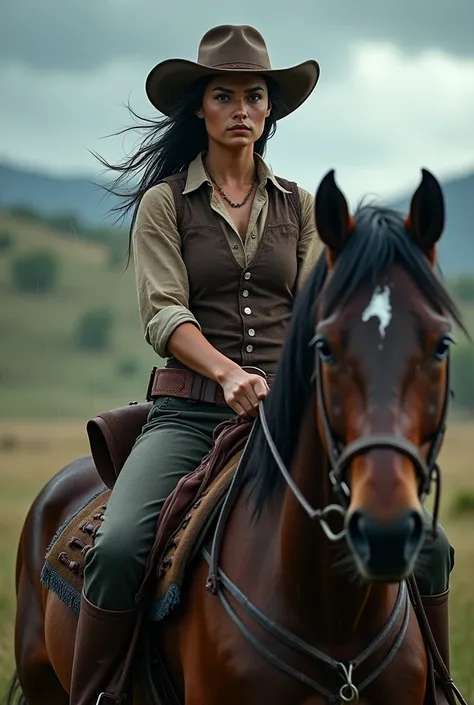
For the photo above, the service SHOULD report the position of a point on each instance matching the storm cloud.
(86, 34)
(396, 90)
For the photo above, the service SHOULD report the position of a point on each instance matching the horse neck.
(320, 593)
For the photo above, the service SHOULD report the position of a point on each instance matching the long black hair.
(168, 145)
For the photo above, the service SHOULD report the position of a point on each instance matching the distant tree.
(22, 210)
(36, 272)
(463, 502)
(105, 236)
(6, 241)
(116, 254)
(463, 376)
(67, 223)
(94, 329)
(128, 367)
(463, 289)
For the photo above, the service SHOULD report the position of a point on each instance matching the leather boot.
(437, 613)
(436, 609)
(102, 641)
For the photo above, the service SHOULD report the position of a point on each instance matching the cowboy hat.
(229, 49)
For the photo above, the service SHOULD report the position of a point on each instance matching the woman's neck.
(234, 168)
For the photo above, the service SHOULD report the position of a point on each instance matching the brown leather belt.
(166, 381)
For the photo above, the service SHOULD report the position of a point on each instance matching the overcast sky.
(396, 90)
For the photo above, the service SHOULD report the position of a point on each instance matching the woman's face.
(234, 109)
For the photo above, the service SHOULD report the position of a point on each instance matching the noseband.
(340, 459)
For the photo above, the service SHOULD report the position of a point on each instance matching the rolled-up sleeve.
(161, 275)
(310, 245)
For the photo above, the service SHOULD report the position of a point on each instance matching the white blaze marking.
(380, 308)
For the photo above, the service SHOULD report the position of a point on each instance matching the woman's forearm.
(188, 345)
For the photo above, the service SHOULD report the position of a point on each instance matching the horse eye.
(443, 347)
(324, 350)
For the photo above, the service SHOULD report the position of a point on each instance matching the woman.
(220, 248)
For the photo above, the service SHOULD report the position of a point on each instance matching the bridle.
(340, 458)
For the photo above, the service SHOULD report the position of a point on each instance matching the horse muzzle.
(385, 552)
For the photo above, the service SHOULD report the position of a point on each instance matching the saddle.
(112, 435)
(184, 520)
(187, 512)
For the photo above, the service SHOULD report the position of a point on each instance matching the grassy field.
(43, 374)
(31, 452)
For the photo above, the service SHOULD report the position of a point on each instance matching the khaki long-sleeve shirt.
(161, 275)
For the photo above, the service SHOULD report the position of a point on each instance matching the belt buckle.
(148, 398)
(196, 388)
(210, 392)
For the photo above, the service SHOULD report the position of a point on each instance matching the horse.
(300, 595)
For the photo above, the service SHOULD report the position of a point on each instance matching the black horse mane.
(379, 240)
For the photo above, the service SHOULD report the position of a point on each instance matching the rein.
(340, 459)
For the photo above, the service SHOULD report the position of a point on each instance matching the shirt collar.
(197, 175)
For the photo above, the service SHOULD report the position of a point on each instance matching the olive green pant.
(177, 435)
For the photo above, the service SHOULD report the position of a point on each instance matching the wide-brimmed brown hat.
(229, 49)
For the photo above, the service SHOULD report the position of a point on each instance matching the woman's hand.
(243, 391)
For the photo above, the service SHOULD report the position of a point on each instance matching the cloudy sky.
(396, 90)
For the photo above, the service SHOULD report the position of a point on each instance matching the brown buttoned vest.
(243, 312)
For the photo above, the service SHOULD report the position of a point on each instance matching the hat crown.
(229, 46)
(225, 50)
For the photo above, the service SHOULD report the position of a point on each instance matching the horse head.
(381, 349)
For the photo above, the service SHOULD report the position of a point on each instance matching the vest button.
(235, 247)
(251, 332)
(245, 293)
(247, 275)
(247, 310)
(249, 348)
(253, 236)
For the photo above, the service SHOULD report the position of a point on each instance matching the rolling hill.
(52, 195)
(43, 372)
(456, 249)
(84, 199)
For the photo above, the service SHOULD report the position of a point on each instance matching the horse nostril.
(356, 532)
(414, 532)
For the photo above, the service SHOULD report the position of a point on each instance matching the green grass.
(43, 448)
(42, 373)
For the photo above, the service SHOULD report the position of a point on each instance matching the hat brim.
(168, 81)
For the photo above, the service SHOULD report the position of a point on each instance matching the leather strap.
(450, 689)
(186, 384)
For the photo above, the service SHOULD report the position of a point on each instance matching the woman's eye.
(221, 95)
(255, 97)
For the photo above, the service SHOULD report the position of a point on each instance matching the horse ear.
(333, 221)
(427, 214)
